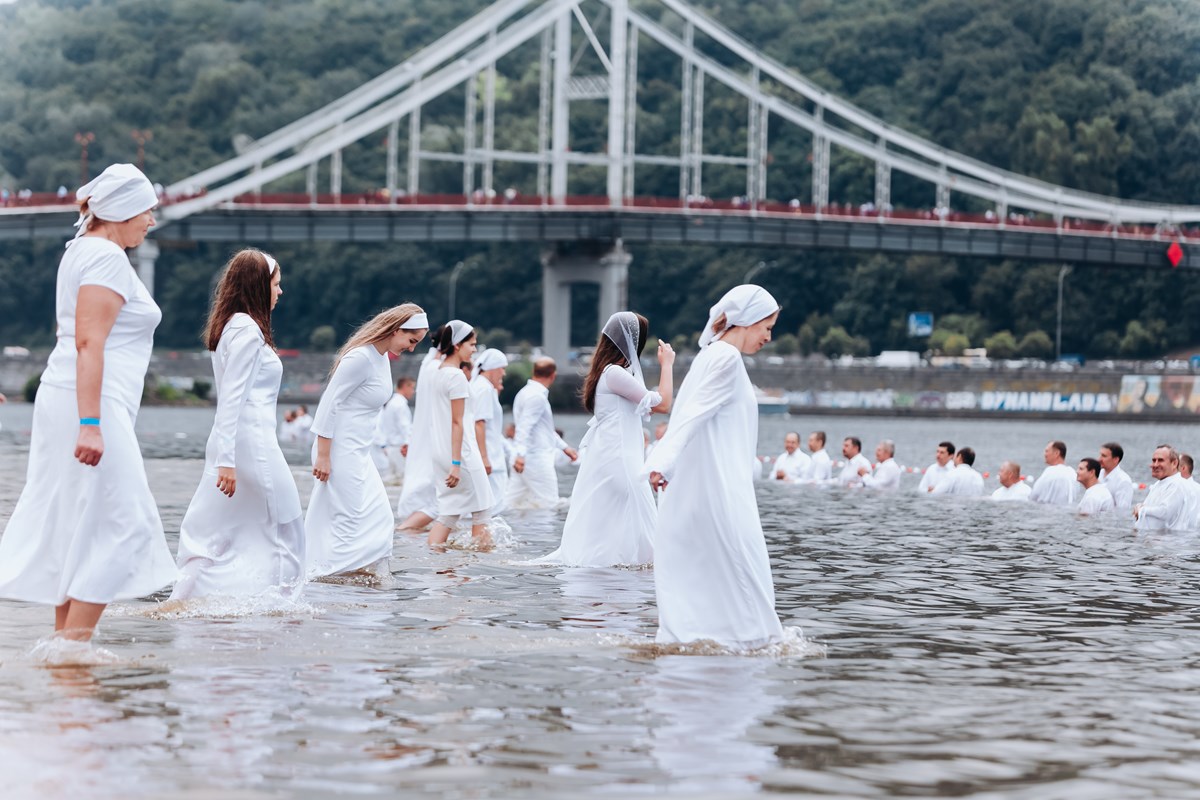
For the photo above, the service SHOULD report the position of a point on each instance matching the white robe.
(795, 466)
(420, 493)
(1120, 485)
(537, 485)
(254, 541)
(1057, 486)
(1166, 506)
(1018, 492)
(886, 476)
(473, 492)
(1096, 500)
(612, 516)
(485, 407)
(849, 475)
(822, 466)
(349, 524)
(934, 473)
(712, 574)
(964, 481)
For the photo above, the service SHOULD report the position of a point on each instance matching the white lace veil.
(622, 329)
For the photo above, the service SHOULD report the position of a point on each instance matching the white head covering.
(417, 322)
(119, 193)
(272, 264)
(742, 305)
(459, 331)
(622, 329)
(490, 358)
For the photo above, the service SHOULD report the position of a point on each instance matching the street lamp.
(454, 273)
(83, 139)
(757, 268)
(1062, 274)
(141, 137)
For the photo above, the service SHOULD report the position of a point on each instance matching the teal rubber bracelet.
(456, 463)
(89, 420)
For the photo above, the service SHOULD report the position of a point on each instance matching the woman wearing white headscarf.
(349, 524)
(712, 576)
(465, 489)
(612, 515)
(86, 530)
(417, 506)
(485, 408)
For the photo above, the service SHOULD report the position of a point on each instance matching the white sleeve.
(481, 400)
(242, 352)
(713, 390)
(112, 271)
(404, 422)
(348, 376)
(622, 384)
(525, 416)
(945, 484)
(923, 486)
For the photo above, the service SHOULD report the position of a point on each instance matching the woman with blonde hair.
(349, 524)
(86, 530)
(243, 533)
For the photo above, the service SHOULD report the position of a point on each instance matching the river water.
(969, 650)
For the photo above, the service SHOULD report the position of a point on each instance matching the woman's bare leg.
(417, 521)
(81, 619)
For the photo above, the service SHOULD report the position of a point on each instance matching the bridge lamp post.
(757, 268)
(454, 275)
(1062, 274)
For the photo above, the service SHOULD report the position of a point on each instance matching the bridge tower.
(602, 263)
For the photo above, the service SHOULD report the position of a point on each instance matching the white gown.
(612, 516)
(78, 532)
(485, 408)
(254, 541)
(473, 492)
(712, 574)
(349, 525)
(420, 493)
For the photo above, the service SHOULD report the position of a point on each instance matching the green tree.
(1001, 345)
(1036, 344)
(323, 339)
(1140, 341)
(956, 344)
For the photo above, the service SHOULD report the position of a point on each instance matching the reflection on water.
(972, 650)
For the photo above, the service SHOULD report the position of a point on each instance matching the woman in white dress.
(349, 524)
(484, 406)
(86, 530)
(612, 516)
(712, 576)
(243, 533)
(465, 489)
(417, 506)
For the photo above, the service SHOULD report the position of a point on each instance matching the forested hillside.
(1103, 95)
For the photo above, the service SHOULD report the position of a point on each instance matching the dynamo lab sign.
(1078, 402)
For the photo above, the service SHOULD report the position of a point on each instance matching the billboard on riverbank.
(1156, 394)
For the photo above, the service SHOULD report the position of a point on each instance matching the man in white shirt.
(287, 428)
(964, 481)
(1119, 484)
(1057, 485)
(941, 467)
(1012, 488)
(534, 482)
(303, 426)
(395, 426)
(855, 462)
(1166, 506)
(821, 468)
(1186, 465)
(886, 475)
(1096, 497)
(792, 464)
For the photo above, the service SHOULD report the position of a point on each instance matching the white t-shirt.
(1096, 500)
(93, 261)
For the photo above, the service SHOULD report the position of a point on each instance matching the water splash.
(792, 645)
(59, 651)
(266, 604)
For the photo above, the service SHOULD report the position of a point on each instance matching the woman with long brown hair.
(243, 533)
(612, 516)
(349, 524)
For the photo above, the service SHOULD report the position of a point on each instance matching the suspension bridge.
(586, 206)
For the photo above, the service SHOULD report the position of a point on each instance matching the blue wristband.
(89, 420)
(456, 463)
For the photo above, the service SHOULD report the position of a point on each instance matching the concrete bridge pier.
(143, 258)
(602, 263)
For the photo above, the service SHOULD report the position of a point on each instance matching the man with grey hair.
(886, 475)
(792, 464)
(1012, 488)
(1166, 506)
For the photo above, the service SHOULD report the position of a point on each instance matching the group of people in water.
(86, 530)
(1096, 485)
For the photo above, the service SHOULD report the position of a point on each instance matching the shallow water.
(971, 650)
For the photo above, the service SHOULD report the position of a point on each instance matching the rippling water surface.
(971, 650)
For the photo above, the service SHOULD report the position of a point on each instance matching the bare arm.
(96, 311)
(456, 439)
(666, 360)
(322, 464)
(481, 440)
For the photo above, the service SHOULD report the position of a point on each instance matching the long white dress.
(254, 541)
(612, 516)
(473, 492)
(420, 493)
(349, 525)
(78, 532)
(485, 407)
(712, 574)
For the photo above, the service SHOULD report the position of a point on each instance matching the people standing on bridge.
(712, 576)
(793, 464)
(1167, 505)
(85, 530)
(1012, 488)
(1096, 497)
(243, 533)
(1057, 485)
(965, 481)
(349, 524)
(886, 473)
(485, 409)
(1118, 482)
(417, 507)
(855, 462)
(612, 516)
(942, 466)
(534, 482)
(821, 468)
(463, 489)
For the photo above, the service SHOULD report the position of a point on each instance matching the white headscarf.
(623, 329)
(119, 193)
(459, 331)
(742, 306)
(490, 358)
(417, 322)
